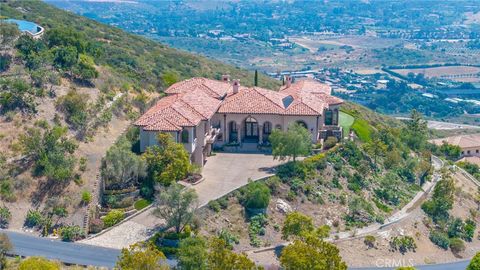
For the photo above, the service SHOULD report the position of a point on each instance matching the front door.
(251, 129)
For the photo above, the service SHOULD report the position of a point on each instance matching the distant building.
(200, 113)
(470, 144)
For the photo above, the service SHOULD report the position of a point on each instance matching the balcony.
(330, 131)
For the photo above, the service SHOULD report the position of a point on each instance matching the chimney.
(236, 86)
(288, 80)
(225, 78)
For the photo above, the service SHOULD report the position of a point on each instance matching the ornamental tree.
(177, 206)
(167, 162)
(294, 142)
(192, 254)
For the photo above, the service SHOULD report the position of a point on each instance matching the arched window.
(185, 136)
(303, 124)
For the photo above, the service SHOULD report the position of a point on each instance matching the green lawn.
(346, 121)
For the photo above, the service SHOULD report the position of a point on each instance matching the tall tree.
(294, 142)
(177, 206)
(142, 257)
(5, 247)
(221, 257)
(311, 254)
(442, 199)
(416, 131)
(255, 80)
(168, 161)
(121, 167)
(192, 254)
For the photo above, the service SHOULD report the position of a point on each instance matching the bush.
(74, 105)
(72, 233)
(440, 239)
(474, 263)
(228, 237)
(469, 230)
(96, 225)
(257, 227)
(330, 142)
(223, 202)
(257, 195)
(369, 241)
(457, 245)
(273, 183)
(5, 217)
(86, 197)
(214, 206)
(403, 244)
(140, 204)
(34, 218)
(113, 217)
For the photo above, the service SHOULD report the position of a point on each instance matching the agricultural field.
(457, 73)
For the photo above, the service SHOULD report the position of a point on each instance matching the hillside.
(66, 98)
(139, 60)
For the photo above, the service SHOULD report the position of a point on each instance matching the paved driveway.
(226, 172)
(223, 173)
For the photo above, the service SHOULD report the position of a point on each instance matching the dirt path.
(94, 151)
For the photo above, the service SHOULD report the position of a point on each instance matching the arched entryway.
(251, 129)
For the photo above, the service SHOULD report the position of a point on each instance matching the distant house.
(470, 144)
(201, 112)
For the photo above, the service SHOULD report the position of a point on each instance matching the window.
(477, 151)
(279, 127)
(303, 124)
(328, 117)
(184, 136)
(267, 128)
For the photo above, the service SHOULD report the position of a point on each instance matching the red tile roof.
(197, 99)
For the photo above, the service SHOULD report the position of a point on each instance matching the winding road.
(85, 254)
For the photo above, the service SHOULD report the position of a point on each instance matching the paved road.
(74, 253)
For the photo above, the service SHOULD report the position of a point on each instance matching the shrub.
(140, 204)
(228, 237)
(223, 202)
(74, 105)
(330, 142)
(369, 241)
(214, 206)
(273, 183)
(457, 245)
(257, 195)
(34, 218)
(72, 233)
(96, 225)
(113, 217)
(440, 239)
(86, 197)
(469, 230)
(257, 227)
(38, 263)
(474, 263)
(403, 244)
(5, 217)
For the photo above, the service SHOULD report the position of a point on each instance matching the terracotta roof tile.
(464, 141)
(197, 99)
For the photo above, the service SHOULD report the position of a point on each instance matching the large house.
(201, 113)
(469, 144)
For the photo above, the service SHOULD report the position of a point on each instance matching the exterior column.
(239, 133)
(260, 133)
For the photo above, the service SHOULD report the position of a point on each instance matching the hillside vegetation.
(139, 60)
(66, 98)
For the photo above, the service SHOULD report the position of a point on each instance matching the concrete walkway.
(223, 173)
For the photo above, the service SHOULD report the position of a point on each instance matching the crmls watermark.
(393, 262)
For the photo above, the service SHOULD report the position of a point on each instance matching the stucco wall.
(474, 151)
(312, 122)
